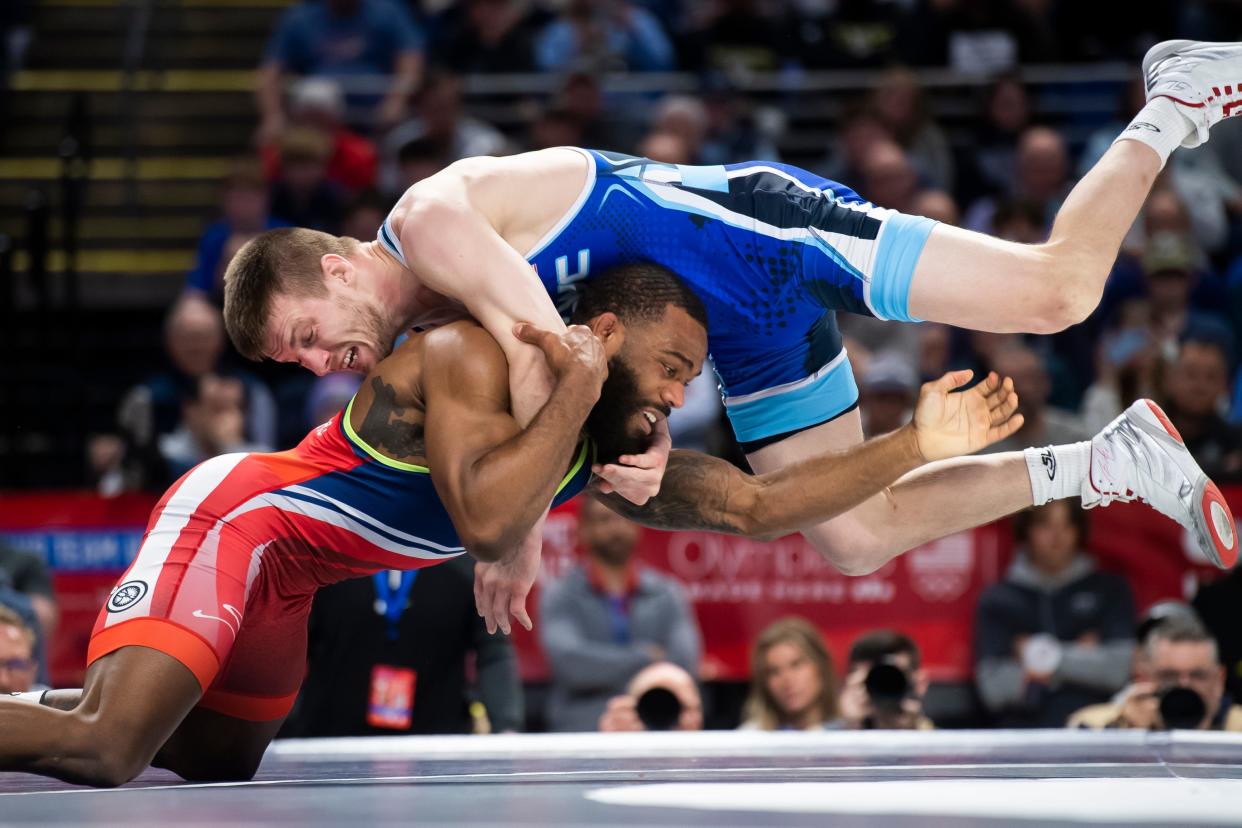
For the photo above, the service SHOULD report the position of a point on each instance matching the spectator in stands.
(737, 129)
(1055, 634)
(554, 126)
(989, 161)
(607, 619)
(1042, 178)
(937, 205)
(889, 179)
(738, 38)
(1196, 386)
(417, 159)
(213, 422)
(793, 685)
(889, 389)
(18, 665)
(935, 350)
(859, 131)
(26, 588)
(899, 103)
(440, 118)
(666, 147)
(303, 195)
(318, 103)
(1127, 364)
(1181, 653)
(485, 37)
(1217, 604)
(603, 122)
(604, 35)
(1019, 221)
(26, 574)
(685, 117)
(364, 215)
(851, 34)
(246, 213)
(328, 395)
(1044, 424)
(663, 696)
(194, 342)
(884, 684)
(394, 653)
(343, 39)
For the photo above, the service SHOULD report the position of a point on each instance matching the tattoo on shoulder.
(394, 429)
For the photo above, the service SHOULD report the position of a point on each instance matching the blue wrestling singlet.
(771, 250)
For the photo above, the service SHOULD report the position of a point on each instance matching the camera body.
(889, 686)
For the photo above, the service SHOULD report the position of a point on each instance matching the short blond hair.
(281, 261)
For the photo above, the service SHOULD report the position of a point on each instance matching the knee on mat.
(113, 754)
(217, 769)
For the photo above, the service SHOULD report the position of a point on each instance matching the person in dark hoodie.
(1055, 634)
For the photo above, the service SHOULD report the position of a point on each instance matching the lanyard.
(392, 594)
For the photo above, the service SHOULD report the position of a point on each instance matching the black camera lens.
(887, 685)
(1181, 708)
(659, 709)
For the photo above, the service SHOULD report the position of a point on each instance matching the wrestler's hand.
(576, 356)
(636, 477)
(500, 588)
(948, 424)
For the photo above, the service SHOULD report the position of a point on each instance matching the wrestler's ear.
(610, 330)
(338, 268)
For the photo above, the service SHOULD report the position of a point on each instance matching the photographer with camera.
(1054, 635)
(661, 697)
(607, 619)
(1182, 686)
(884, 686)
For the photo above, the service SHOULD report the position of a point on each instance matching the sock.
(1057, 471)
(1160, 126)
(34, 696)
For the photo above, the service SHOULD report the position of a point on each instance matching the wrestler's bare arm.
(705, 493)
(495, 478)
(461, 231)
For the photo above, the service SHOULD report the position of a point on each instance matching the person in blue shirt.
(342, 39)
(245, 210)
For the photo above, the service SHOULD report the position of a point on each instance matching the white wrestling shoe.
(1205, 79)
(1141, 456)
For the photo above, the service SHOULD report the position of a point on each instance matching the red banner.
(737, 586)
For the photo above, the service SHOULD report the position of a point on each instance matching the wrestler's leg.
(133, 700)
(983, 283)
(211, 747)
(933, 501)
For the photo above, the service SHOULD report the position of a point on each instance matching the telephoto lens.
(659, 709)
(887, 685)
(1181, 708)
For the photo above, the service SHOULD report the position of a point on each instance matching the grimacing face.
(647, 379)
(342, 331)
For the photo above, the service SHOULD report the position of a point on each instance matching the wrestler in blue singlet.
(771, 250)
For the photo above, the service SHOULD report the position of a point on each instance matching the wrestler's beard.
(372, 323)
(610, 420)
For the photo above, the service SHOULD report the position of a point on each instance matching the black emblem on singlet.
(126, 595)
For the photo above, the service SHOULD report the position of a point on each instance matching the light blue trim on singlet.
(795, 405)
(713, 179)
(898, 249)
(388, 239)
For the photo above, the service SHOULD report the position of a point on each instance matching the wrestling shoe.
(1140, 456)
(1205, 79)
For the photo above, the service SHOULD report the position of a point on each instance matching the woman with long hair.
(793, 683)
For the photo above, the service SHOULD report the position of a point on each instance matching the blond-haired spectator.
(793, 685)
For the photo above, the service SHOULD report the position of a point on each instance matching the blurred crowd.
(360, 99)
